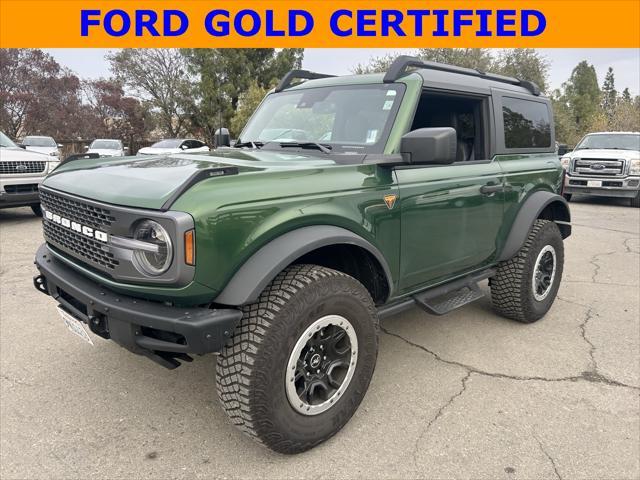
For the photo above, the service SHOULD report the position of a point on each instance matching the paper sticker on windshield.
(387, 105)
(391, 93)
(372, 136)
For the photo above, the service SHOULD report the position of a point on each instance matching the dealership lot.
(468, 395)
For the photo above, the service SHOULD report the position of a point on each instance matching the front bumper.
(161, 332)
(19, 190)
(627, 187)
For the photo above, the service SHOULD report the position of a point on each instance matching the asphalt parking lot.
(469, 395)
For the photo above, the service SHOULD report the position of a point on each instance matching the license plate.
(75, 325)
(594, 183)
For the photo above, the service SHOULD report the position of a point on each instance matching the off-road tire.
(252, 366)
(511, 288)
(635, 201)
(36, 209)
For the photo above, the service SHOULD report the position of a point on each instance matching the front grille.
(21, 166)
(27, 188)
(83, 247)
(597, 167)
(77, 211)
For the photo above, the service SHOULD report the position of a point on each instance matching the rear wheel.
(301, 359)
(36, 209)
(525, 286)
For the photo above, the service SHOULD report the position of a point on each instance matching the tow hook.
(40, 282)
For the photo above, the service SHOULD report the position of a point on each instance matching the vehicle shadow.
(597, 200)
(16, 215)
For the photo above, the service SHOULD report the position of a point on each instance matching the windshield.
(5, 142)
(106, 145)
(175, 143)
(39, 142)
(348, 118)
(630, 141)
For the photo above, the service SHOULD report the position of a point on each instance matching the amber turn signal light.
(190, 247)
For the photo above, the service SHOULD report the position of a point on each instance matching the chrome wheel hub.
(544, 272)
(321, 365)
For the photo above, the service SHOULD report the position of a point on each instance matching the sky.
(90, 63)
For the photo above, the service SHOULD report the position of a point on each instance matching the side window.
(189, 144)
(466, 114)
(527, 124)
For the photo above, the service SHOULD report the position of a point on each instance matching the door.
(448, 225)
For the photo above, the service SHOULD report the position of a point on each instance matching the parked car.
(175, 145)
(281, 255)
(45, 145)
(21, 172)
(106, 147)
(605, 164)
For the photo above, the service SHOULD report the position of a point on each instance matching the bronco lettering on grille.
(76, 227)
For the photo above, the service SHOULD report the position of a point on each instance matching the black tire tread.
(237, 373)
(507, 290)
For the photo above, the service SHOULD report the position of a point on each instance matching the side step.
(449, 301)
(441, 299)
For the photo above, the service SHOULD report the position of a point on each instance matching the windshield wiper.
(256, 145)
(314, 145)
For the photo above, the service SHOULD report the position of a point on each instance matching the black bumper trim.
(128, 320)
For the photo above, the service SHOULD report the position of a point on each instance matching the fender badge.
(390, 200)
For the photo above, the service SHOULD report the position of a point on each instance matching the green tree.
(222, 76)
(160, 78)
(524, 63)
(626, 95)
(247, 104)
(582, 94)
(609, 94)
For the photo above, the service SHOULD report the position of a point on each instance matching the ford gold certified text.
(76, 227)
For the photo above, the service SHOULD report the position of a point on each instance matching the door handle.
(490, 188)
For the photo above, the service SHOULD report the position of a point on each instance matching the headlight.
(156, 259)
(634, 167)
(54, 154)
(565, 161)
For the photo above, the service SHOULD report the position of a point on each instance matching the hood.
(106, 152)
(19, 154)
(147, 182)
(604, 154)
(43, 150)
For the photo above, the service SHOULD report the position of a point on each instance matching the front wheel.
(525, 286)
(301, 359)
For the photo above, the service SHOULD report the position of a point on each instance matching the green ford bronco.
(345, 200)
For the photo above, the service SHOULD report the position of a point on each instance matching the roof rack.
(288, 79)
(399, 68)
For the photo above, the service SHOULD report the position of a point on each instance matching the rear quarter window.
(527, 123)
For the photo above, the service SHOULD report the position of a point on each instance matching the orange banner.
(314, 23)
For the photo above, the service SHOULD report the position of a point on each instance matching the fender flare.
(264, 265)
(528, 213)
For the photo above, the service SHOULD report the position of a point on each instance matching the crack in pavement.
(593, 261)
(437, 416)
(627, 247)
(573, 224)
(601, 283)
(549, 457)
(586, 376)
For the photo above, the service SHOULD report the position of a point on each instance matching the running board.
(442, 299)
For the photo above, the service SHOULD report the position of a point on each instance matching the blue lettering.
(183, 24)
(503, 21)
(391, 20)
(484, 23)
(217, 28)
(418, 19)
(335, 18)
(440, 30)
(364, 20)
(293, 23)
(108, 23)
(271, 30)
(542, 23)
(255, 19)
(146, 19)
(86, 21)
(459, 21)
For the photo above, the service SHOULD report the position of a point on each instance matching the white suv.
(21, 172)
(605, 164)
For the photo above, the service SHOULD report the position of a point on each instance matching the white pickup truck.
(21, 172)
(604, 164)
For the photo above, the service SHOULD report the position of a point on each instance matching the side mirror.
(430, 146)
(222, 138)
(184, 147)
(60, 145)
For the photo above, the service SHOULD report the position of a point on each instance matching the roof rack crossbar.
(288, 79)
(399, 68)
